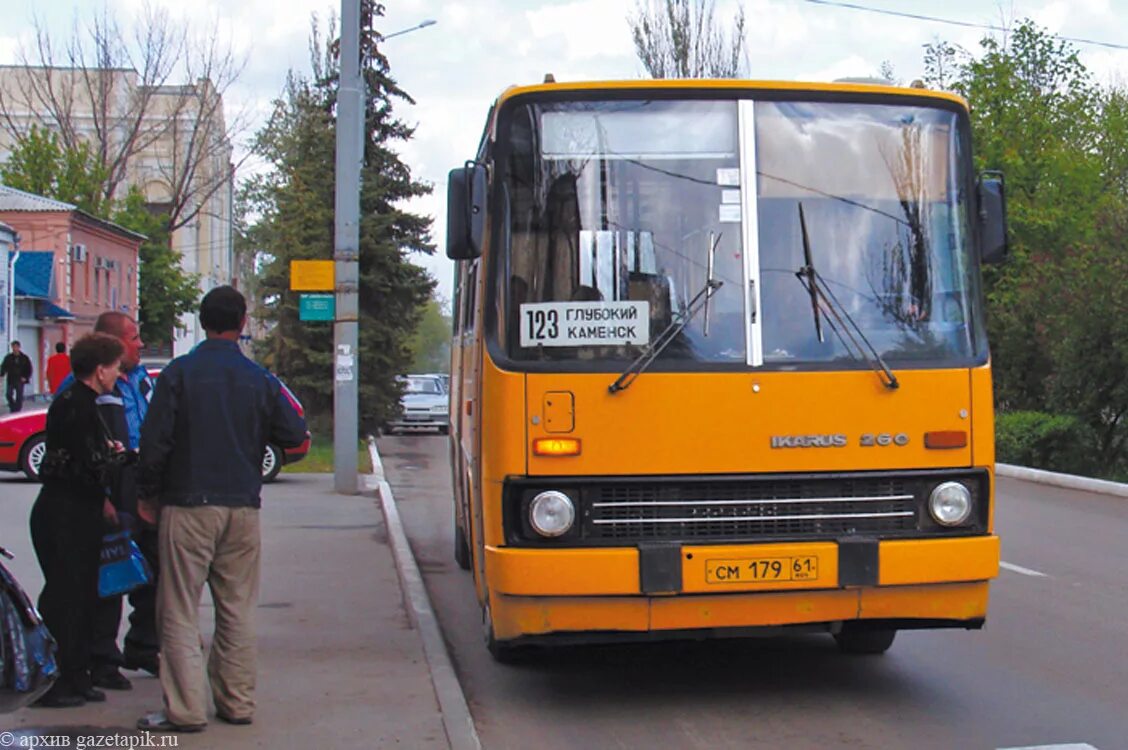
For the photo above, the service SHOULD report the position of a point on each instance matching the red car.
(23, 439)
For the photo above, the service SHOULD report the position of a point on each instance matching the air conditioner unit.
(78, 253)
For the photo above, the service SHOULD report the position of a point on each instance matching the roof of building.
(47, 310)
(33, 273)
(17, 200)
(12, 199)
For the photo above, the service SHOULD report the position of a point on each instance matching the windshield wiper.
(808, 271)
(823, 299)
(662, 340)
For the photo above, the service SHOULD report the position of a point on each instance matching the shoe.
(60, 697)
(92, 695)
(239, 721)
(142, 662)
(158, 722)
(111, 679)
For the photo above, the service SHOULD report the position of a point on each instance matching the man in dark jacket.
(16, 370)
(202, 442)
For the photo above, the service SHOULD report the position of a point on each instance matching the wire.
(952, 22)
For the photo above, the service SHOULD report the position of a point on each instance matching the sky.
(455, 68)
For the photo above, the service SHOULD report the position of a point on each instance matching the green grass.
(319, 460)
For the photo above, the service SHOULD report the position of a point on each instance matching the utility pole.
(346, 253)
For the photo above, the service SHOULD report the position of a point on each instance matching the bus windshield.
(618, 212)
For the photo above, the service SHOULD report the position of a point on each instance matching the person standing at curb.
(212, 414)
(124, 411)
(66, 520)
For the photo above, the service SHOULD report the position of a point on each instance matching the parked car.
(23, 441)
(424, 404)
(444, 380)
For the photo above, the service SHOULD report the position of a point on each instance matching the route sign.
(317, 308)
(312, 276)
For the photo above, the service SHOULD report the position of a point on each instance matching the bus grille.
(749, 509)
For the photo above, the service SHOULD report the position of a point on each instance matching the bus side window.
(456, 305)
(469, 295)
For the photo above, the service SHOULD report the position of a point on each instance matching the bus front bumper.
(912, 582)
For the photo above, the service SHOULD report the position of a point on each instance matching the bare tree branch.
(117, 97)
(680, 39)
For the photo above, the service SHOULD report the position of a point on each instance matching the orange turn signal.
(945, 439)
(556, 447)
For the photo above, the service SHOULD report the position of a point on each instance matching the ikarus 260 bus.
(720, 363)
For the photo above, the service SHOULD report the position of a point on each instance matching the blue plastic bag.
(27, 650)
(123, 567)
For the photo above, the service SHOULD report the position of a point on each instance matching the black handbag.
(27, 651)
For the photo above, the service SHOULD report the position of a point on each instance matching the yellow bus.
(720, 364)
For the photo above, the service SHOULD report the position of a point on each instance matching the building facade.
(69, 267)
(179, 156)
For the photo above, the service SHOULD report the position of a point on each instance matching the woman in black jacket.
(67, 518)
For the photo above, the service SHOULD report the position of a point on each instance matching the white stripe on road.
(1028, 572)
(1067, 746)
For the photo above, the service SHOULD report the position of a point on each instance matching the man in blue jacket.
(212, 414)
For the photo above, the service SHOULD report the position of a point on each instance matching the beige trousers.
(220, 547)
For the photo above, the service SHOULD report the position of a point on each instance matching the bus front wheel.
(503, 652)
(864, 641)
(461, 548)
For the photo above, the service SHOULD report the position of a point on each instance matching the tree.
(40, 164)
(680, 39)
(293, 204)
(107, 90)
(43, 165)
(166, 291)
(430, 344)
(1057, 310)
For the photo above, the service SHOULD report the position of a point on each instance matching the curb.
(457, 721)
(1067, 481)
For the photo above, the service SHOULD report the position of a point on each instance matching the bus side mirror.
(466, 211)
(992, 218)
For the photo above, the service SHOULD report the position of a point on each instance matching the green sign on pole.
(317, 308)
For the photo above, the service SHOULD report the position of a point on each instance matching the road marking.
(1028, 572)
(1067, 746)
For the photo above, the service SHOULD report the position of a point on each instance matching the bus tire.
(864, 641)
(503, 652)
(461, 548)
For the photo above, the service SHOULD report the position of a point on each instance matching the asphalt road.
(1049, 669)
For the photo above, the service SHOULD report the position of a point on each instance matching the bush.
(1055, 442)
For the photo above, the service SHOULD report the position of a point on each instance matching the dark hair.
(223, 309)
(112, 322)
(16, 343)
(60, 347)
(95, 350)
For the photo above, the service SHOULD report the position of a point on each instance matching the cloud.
(583, 30)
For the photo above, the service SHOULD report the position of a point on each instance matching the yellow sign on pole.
(312, 276)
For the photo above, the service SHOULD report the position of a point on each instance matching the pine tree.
(294, 208)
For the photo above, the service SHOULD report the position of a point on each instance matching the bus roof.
(697, 84)
(726, 84)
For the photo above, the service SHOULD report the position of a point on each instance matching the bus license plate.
(762, 569)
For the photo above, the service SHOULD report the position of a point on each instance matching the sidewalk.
(339, 664)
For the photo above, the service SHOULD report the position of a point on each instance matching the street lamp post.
(420, 25)
(346, 249)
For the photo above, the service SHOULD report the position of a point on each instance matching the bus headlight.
(551, 513)
(950, 503)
